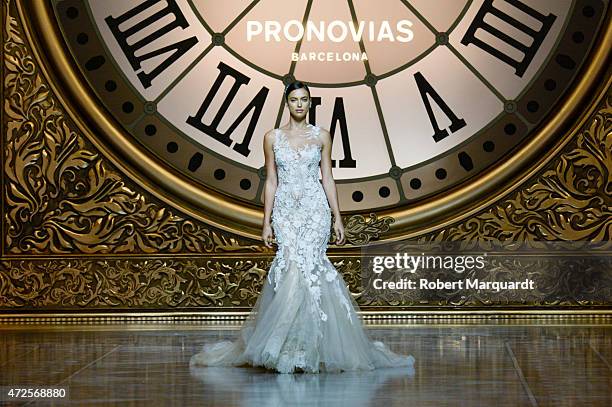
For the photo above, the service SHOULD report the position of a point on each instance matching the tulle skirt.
(283, 334)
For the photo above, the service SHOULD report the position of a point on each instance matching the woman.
(305, 319)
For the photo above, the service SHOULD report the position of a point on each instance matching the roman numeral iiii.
(179, 48)
(528, 52)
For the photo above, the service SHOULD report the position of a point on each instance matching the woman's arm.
(329, 185)
(269, 187)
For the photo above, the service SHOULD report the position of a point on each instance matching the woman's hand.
(267, 235)
(339, 230)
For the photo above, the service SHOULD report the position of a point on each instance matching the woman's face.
(299, 103)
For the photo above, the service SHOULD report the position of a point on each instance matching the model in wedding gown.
(305, 318)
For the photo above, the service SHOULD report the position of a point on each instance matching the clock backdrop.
(133, 167)
(419, 127)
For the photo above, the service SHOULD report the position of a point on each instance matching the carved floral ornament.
(62, 196)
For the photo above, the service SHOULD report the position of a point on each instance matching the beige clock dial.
(412, 123)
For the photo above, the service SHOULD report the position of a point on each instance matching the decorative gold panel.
(62, 196)
(570, 200)
(77, 234)
(235, 282)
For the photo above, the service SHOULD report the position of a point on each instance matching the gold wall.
(80, 235)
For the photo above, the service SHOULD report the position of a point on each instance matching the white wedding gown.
(305, 318)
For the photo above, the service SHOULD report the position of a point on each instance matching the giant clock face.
(414, 120)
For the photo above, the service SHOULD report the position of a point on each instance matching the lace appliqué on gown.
(299, 200)
(305, 317)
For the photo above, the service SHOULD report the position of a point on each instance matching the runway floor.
(520, 364)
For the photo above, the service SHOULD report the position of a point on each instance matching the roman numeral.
(528, 51)
(211, 129)
(179, 48)
(339, 116)
(426, 89)
(315, 101)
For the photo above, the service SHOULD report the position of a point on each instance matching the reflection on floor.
(456, 365)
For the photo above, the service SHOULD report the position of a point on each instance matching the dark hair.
(293, 86)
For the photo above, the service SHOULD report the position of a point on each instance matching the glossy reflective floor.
(456, 365)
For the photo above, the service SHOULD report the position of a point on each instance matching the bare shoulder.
(269, 137)
(324, 135)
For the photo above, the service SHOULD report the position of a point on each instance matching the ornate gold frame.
(234, 320)
(165, 260)
(246, 220)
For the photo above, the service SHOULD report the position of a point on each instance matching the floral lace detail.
(331, 275)
(298, 320)
(301, 217)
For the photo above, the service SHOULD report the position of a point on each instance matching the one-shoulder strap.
(316, 130)
(277, 134)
